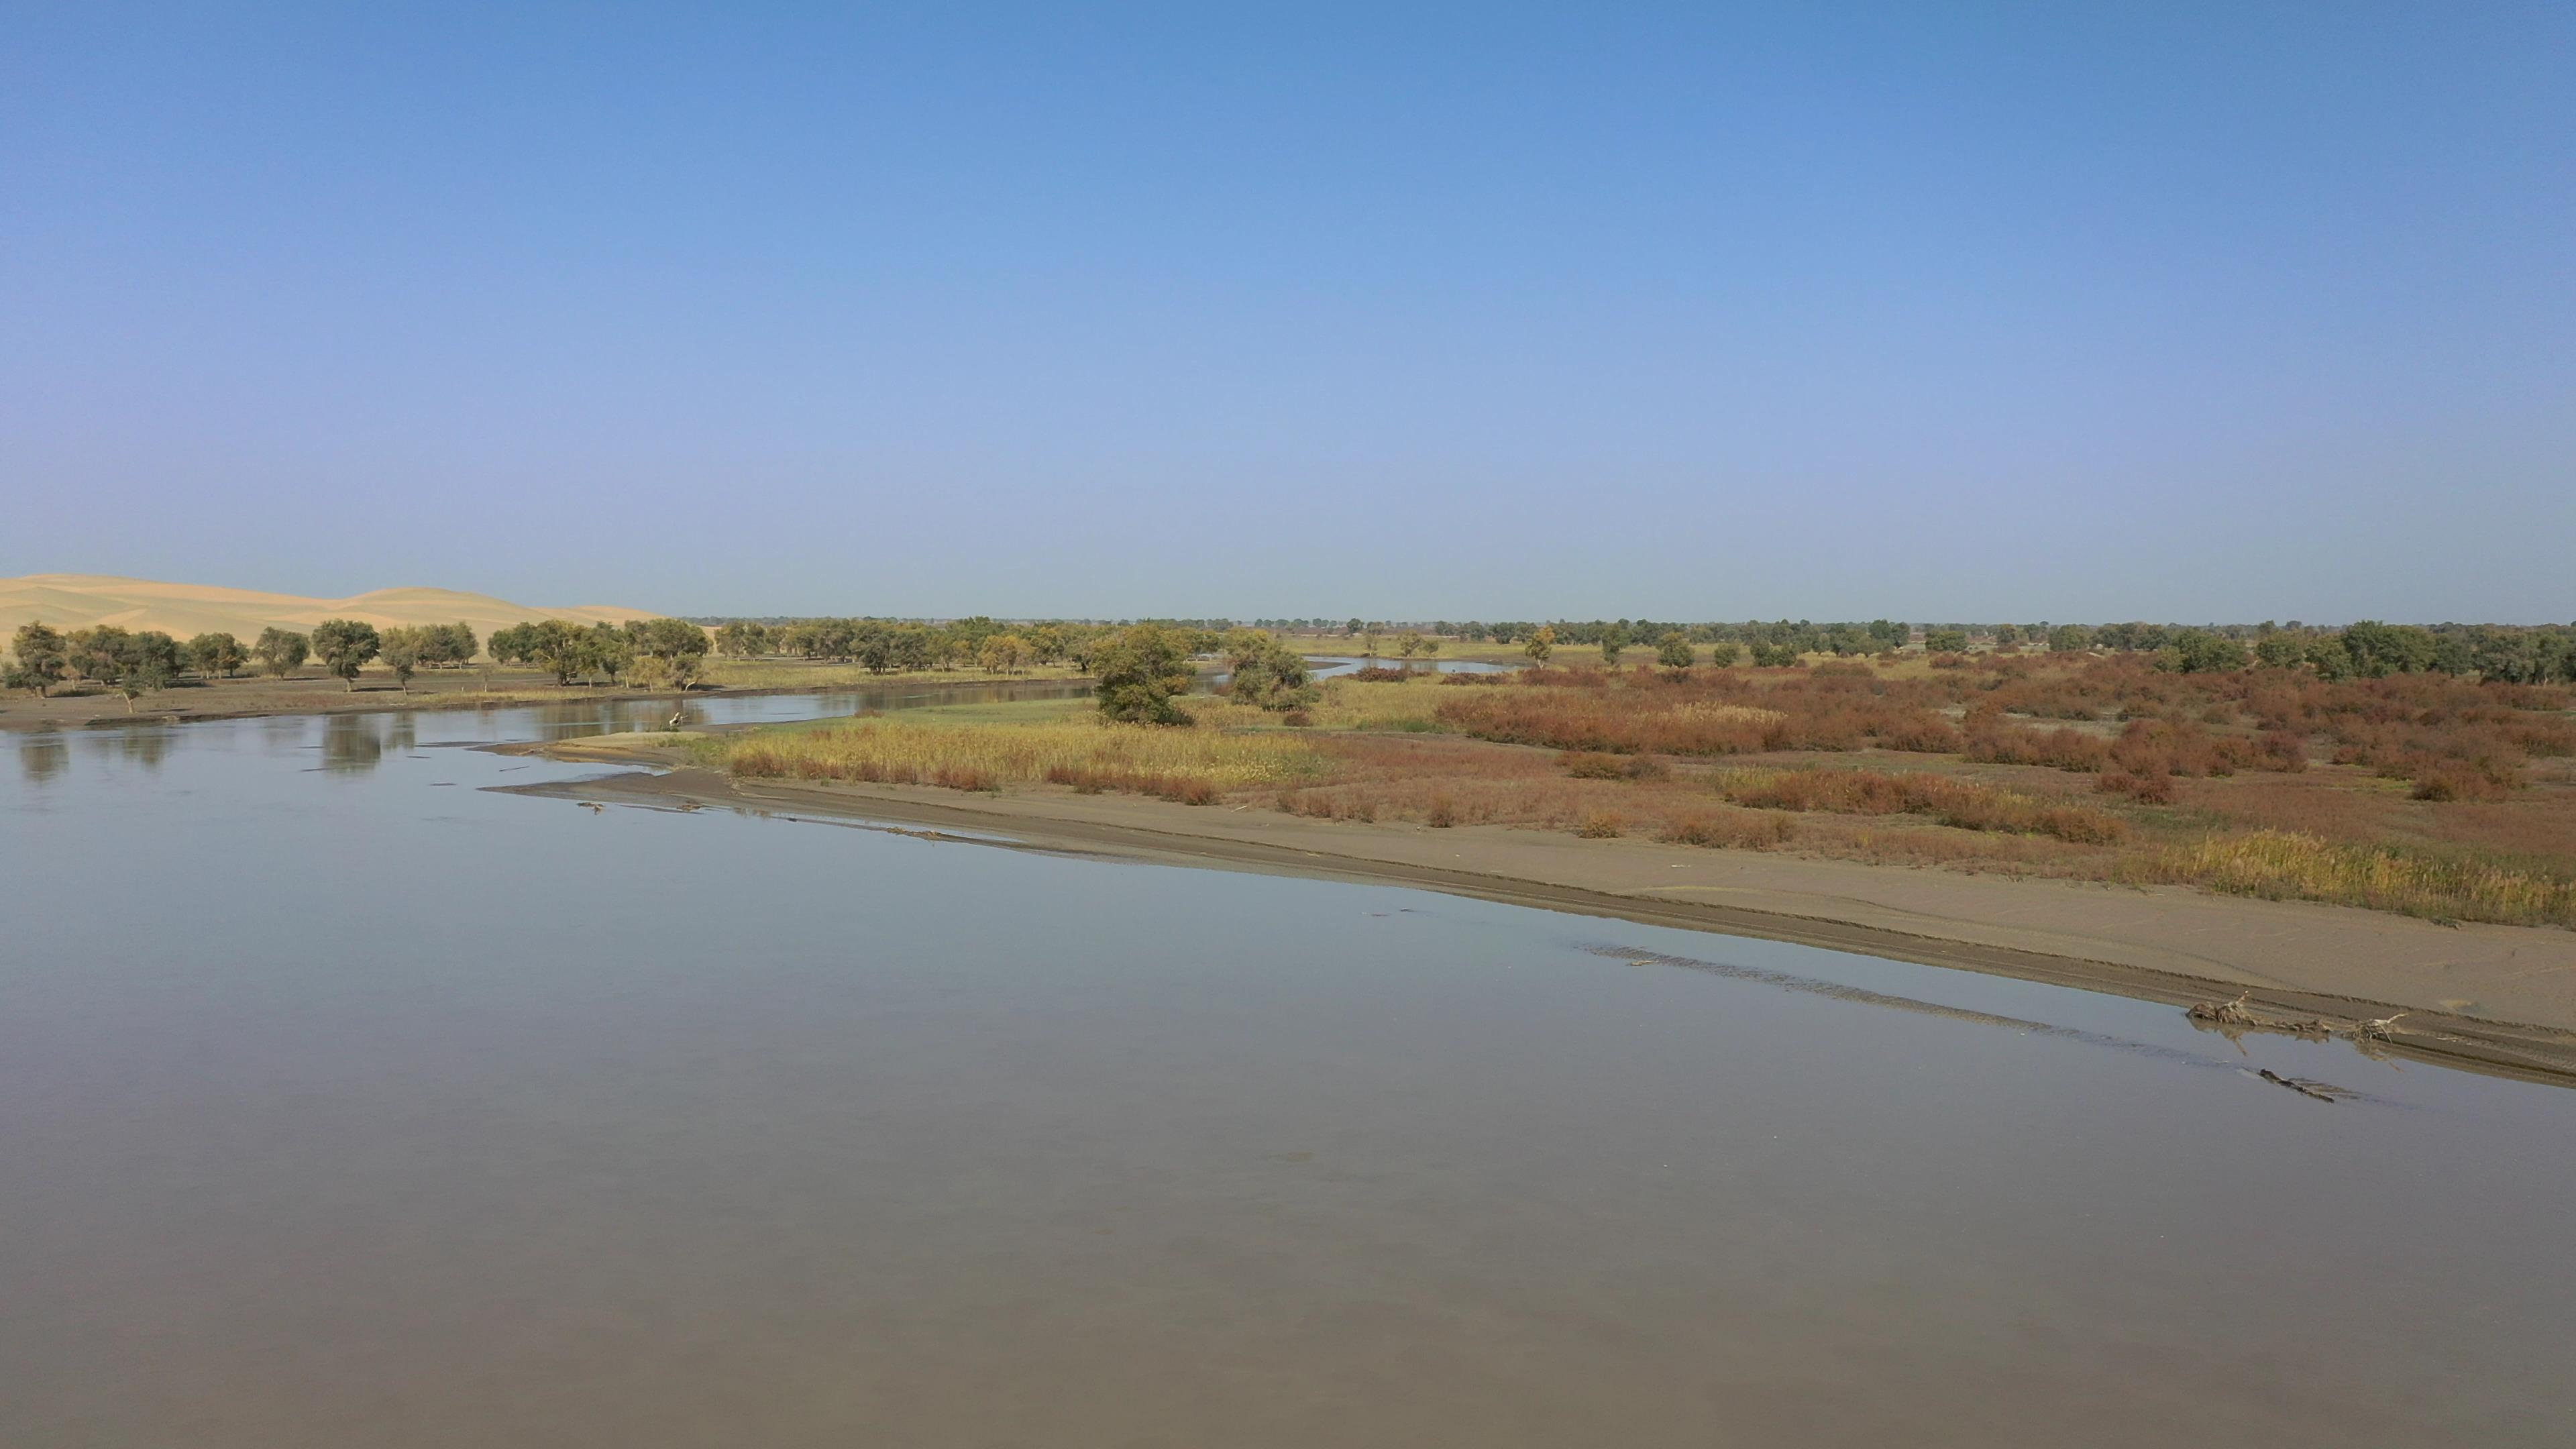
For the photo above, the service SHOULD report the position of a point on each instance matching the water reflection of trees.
(43, 756)
(352, 744)
(145, 747)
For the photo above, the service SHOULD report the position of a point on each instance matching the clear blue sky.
(2168, 310)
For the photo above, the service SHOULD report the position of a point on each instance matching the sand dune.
(77, 601)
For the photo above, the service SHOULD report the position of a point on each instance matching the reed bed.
(1194, 765)
(2288, 865)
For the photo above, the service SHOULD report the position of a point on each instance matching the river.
(344, 1101)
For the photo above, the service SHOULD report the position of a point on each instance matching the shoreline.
(362, 702)
(2495, 998)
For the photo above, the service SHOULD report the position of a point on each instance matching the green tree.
(452, 645)
(280, 651)
(1142, 669)
(2198, 651)
(141, 663)
(2280, 651)
(1266, 673)
(98, 653)
(2379, 650)
(215, 654)
(344, 646)
(1614, 641)
(402, 651)
(1945, 641)
(515, 644)
(612, 652)
(1001, 653)
(741, 640)
(41, 656)
(1540, 644)
(558, 646)
(1674, 652)
(2069, 639)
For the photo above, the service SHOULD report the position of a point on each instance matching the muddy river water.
(344, 1101)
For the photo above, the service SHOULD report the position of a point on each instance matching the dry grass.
(1195, 765)
(2282, 865)
(1702, 713)
(2458, 800)
(1962, 804)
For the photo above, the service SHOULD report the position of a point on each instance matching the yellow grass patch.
(1084, 752)
(2282, 865)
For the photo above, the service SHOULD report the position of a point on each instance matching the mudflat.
(2499, 996)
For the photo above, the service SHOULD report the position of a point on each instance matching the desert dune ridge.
(81, 601)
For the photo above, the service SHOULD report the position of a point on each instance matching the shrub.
(1746, 831)
(2152, 789)
(1602, 825)
(1964, 804)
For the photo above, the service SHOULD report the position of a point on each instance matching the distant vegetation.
(2424, 770)
(2401, 767)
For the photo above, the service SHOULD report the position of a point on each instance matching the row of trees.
(646, 653)
(884, 646)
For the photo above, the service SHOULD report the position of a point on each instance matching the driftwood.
(2304, 1086)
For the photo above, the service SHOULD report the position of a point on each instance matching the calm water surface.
(345, 1102)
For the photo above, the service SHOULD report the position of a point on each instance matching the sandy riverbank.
(2502, 996)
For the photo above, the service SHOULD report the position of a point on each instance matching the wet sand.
(2500, 997)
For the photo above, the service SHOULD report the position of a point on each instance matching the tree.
(1614, 641)
(449, 644)
(1410, 646)
(1540, 644)
(1141, 669)
(742, 640)
(670, 639)
(402, 651)
(1001, 653)
(1674, 652)
(612, 651)
(2379, 650)
(513, 645)
(2280, 651)
(2198, 651)
(559, 646)
(280, 651)
(1722, 654)
(41, 653)
(1945, 641)
(874, 646)
(2328, 656)
(215, 654)
(1267, 674)
(2069, 639)
(134, 664)
(1369, 638)
(344, 647)
(99, 654)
